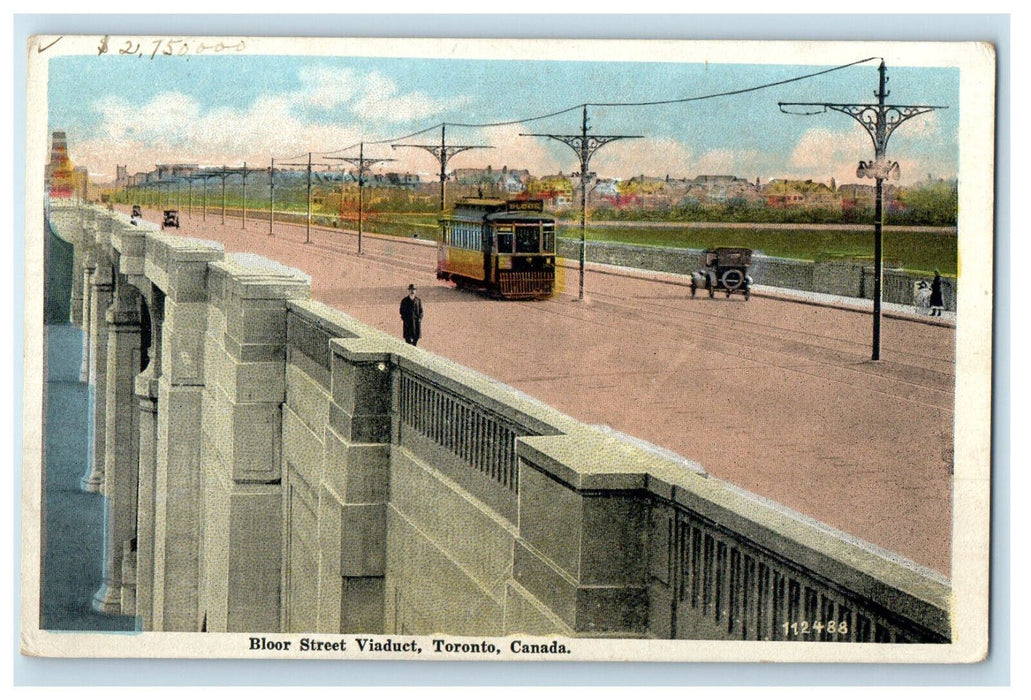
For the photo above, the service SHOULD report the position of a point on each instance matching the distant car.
(726, 270)
(136, 211)
(171, 218)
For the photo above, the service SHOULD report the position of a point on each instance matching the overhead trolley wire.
(730, 92)
(650, 103)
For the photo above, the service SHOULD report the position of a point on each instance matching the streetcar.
(504, 246)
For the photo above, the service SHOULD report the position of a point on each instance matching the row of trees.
(928, 204)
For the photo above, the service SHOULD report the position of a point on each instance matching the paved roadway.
(775, 396)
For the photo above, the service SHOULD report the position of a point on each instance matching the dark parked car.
(726, 270)
(171, 218)
(136, 212)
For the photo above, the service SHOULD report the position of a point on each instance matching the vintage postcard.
(524, 350)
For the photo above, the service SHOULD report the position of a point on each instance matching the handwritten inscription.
(41, 49)
(152, 48)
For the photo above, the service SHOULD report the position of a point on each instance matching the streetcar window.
(462, 234)
(504, 242)
(527, 240)
(549, 240)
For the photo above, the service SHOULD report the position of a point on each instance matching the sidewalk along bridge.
(271, 464)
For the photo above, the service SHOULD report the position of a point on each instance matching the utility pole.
(585, 146)
(204, 177)
(271, 194)
(443, 153)
(225, 173)
(880, 120)
(363, 164)
(307, 235)
(243, 210)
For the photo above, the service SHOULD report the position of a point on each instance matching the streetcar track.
(707, 321)
(839, 367)
(787, 367)
(835, 339)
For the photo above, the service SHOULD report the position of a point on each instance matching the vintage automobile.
(136, 211)
(726, 270)
(171, 218)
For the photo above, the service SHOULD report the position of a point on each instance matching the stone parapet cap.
(516, 406)
(254, 277)
(360, 349)
(368, 342)
(165, 248)
(587, 461)
(335, 323)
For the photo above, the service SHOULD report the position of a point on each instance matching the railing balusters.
(482, 441)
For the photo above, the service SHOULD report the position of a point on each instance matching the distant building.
(60, 173)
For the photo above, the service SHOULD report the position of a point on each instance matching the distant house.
(780, 194)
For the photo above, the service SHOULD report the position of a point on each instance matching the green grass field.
(912, 250)
(916, 251)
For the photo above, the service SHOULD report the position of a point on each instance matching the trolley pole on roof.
(585, 146)
(443, 153)
(879, 120)
(363, 164)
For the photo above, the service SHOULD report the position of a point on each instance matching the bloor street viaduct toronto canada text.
(639, 391)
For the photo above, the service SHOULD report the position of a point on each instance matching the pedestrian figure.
(411, 315)
(922, 296)
(937, 298)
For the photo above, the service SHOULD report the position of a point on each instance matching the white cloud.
(173, 127)
(821, 151)
(652, 157)
(326, 87)
(822, 154)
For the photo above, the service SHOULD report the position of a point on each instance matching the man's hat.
(411, 288)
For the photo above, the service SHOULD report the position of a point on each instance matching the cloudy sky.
(230, 109)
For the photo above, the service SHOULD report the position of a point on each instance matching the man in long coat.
(411, 315)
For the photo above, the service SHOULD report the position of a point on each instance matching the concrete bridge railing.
(271, 464)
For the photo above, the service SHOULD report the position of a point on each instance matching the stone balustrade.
(271, 464)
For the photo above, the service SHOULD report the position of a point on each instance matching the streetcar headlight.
(504, 262)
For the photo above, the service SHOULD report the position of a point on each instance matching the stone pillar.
(122, 436)
(179, 268)
(78, 254)
(89, 265)
(242, 432)
(583, 533)
(354, 492)
(100, 299)
(147, 394)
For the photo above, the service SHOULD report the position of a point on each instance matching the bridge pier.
(121, 441)
(89, 265)
(147, 395)
(245, 353)
(100, 297)
(178, 268)
(355, 489)
(582, 548)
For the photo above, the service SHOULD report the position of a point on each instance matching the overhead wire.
(650, 103)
